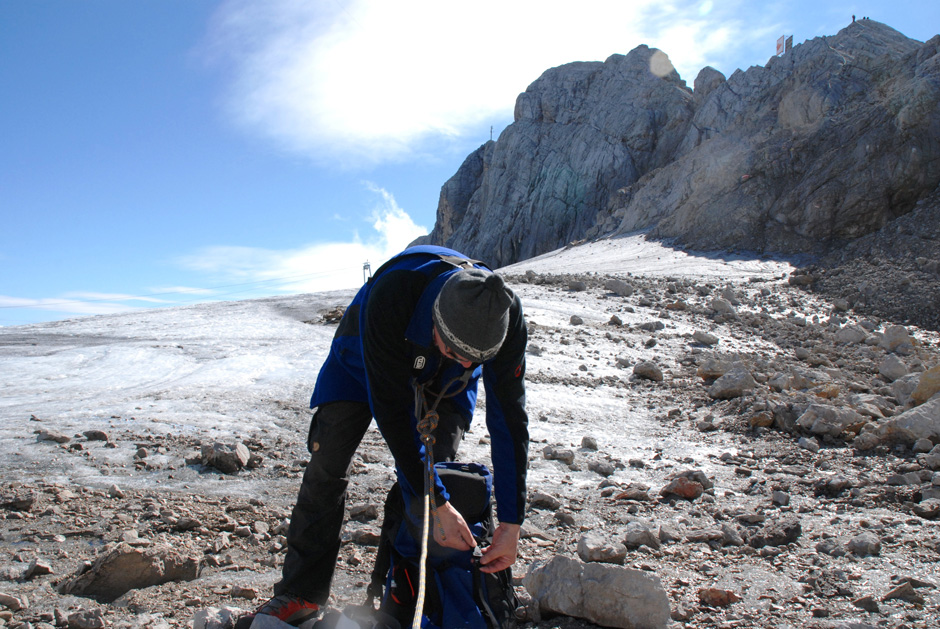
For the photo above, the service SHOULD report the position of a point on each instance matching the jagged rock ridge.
(823, 145)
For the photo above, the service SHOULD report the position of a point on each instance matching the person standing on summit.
(429, 322)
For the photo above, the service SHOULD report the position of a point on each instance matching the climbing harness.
(427, 424)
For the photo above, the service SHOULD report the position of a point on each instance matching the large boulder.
(734, 383)
(604, 594)
(928, 385)
(822, 419)
(920, 422)
(121, 568)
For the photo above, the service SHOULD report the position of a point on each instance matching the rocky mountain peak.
(822, 145)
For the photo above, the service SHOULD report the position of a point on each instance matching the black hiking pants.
(313, 538)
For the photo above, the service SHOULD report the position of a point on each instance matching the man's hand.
(456, 532)
(502, 552)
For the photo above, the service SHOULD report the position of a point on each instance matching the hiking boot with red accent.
(288, 608)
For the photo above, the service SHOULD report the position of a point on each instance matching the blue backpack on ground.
(457, 593)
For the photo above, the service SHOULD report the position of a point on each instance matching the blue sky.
(164, 152)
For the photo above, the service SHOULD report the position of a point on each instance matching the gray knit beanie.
(472, 313)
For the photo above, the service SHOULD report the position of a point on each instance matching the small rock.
(824, 419)
(96, 435)
(366, 537)
(866, 603)
(228, 458)
(705, 426)
(558, 454)
(864, 545)
(922, 445)
(905, 592)
(632, 492)
(712, 368)
(14, 603)
(705, 338)
(638, 534)
(732, 385)
(649, 371)
(18, 500)
(217, 618)
(830, 547)
(851, 334)
(36, 568)
(130, 536)
(866, 441)
(589, 443)
(667, 534)
(87, 619)
(928, 385)
(243, 592)
(364, 513)
(703, 536)
(717, 597)
(619, 287)
(780, 498)
(892, 368)
(896, 338)
(593, 547)
(899, 480)
(542, 500)
(730, 536)
(604, 468)
(576, 320)
(762, 419)
(808, 443)
(721, 306)
(927, 509)
(683, 488)
(51, 435)
(776, 533)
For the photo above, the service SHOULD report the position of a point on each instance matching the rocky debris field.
(892, 273)
(711, 454)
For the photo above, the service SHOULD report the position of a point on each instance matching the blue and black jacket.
(384, 345)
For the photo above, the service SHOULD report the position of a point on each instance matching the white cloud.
(179, 290)
(65, 304)
(369, 80)
(114, 297)
(315, 267)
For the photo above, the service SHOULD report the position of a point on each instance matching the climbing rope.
(427, 424)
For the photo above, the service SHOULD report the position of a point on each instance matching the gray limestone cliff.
(821, 146)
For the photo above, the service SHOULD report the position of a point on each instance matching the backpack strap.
(479, 593)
